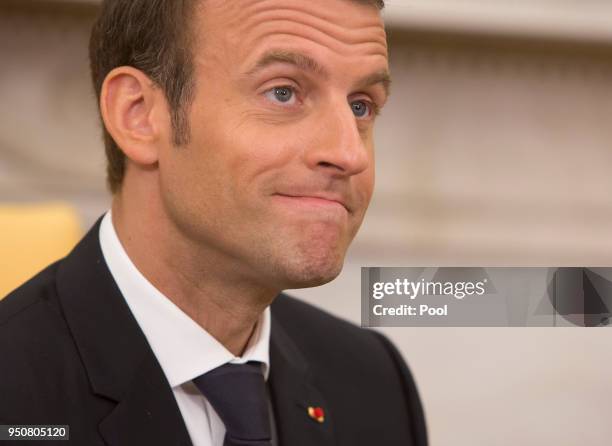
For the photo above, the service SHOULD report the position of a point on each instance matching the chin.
(308, 271)
(312, 259)
(311, 277)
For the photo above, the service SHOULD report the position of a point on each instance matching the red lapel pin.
(316, 413)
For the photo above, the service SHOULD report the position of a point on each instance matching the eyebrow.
(307, 63)
(380, 77)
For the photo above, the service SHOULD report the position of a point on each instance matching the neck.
(200, 281)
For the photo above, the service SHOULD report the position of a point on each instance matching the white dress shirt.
(183, 348)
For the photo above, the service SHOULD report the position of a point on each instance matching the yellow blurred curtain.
(31, 237)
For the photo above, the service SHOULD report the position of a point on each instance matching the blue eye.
(360, 109)
(284, 95)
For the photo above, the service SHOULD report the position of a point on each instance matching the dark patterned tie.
(238, 394)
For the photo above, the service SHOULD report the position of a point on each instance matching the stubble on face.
(242, 190)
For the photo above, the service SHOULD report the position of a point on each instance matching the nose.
(338, 146)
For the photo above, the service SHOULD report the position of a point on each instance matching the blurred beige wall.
(50, 143)
(494, 149)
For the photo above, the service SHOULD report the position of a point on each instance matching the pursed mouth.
(316, 200)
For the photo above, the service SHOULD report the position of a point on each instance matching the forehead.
(245, 28)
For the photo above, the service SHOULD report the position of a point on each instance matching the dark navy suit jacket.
(71, 353)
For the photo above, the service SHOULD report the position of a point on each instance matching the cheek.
(182, 179)
(365, 183)
(259, 152)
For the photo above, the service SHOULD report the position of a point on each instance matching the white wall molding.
(588, 21)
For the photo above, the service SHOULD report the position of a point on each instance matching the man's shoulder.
(33, 329)
(31, 299)
(318, 333)
(352, 365)
(34, 310)
(300, 317)
(38, 353)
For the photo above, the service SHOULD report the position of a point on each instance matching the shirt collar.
(183, 348)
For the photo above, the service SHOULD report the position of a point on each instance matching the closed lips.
(316, 199)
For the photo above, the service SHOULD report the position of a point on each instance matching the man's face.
(279, 169)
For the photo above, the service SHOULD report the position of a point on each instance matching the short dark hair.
(153, 36)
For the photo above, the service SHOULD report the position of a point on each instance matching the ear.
(135, 113)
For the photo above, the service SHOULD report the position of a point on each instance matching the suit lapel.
(147, 414)
(292, 392)
(119, 361)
